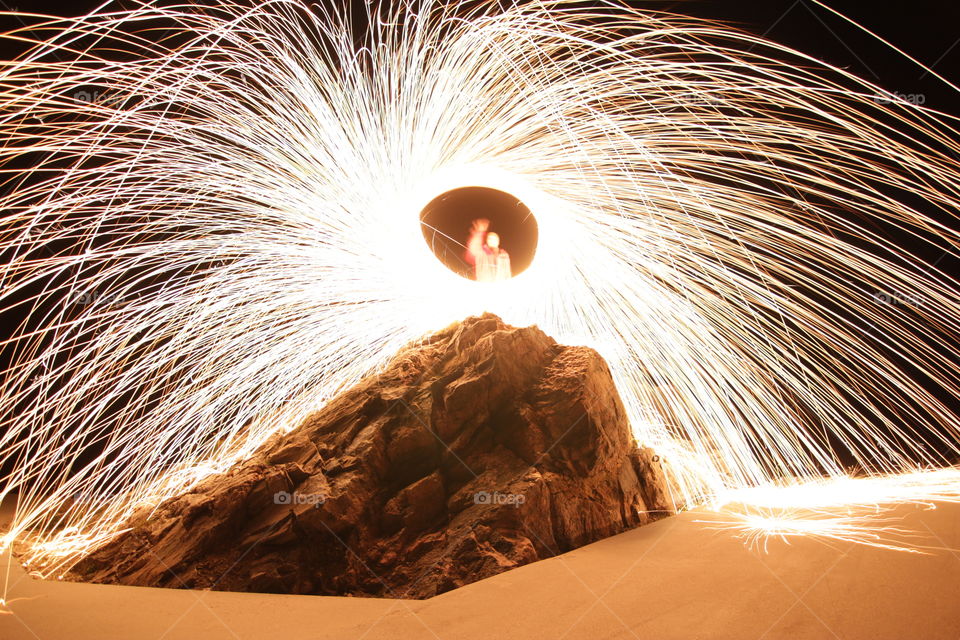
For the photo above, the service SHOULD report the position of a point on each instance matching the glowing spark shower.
(211, 223)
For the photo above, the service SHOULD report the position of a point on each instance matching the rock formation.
(482, 448)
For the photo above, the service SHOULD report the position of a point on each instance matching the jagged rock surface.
(483, 448)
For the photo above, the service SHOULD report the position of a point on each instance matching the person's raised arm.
(475, 242)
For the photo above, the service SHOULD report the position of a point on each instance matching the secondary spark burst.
(233, 194)
(853, 510)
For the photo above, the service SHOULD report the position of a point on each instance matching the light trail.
(212, 211)
(855, 510)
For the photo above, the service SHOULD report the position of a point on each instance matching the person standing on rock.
(490, 262)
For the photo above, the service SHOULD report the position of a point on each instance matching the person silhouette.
(490, 262)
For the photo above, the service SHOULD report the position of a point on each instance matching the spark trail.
(211, 226)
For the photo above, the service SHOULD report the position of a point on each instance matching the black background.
(929, 30)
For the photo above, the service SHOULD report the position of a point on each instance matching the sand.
(678, 578)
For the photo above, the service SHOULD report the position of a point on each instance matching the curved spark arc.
(224, 233)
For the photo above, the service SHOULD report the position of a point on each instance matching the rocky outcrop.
(482, 448)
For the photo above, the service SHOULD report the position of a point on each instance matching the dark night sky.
(927, 29)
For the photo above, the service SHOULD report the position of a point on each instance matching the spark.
(843, 509)
(212, 221)
(5, 609)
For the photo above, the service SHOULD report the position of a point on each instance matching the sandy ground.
(678, 578)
